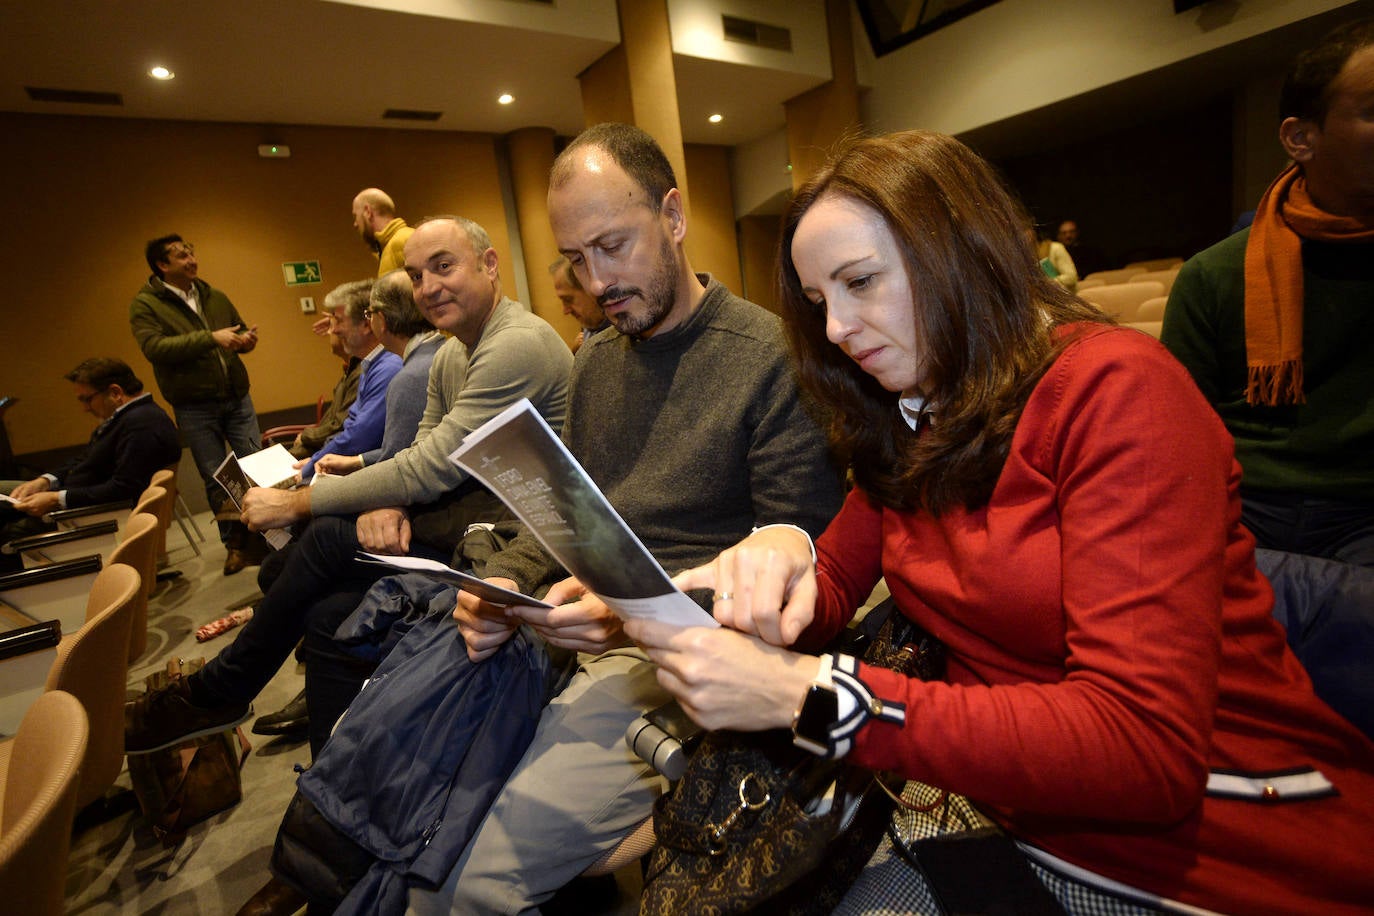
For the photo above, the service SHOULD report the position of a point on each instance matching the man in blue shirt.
(366, 423)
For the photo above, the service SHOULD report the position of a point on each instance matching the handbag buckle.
(750, 788)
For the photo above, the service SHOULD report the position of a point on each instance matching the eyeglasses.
(369, 312)
(180, 248)
(86, 399)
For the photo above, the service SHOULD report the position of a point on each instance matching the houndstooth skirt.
(891, 886)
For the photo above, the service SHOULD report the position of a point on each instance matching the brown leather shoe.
(235, 560)
(276, 898)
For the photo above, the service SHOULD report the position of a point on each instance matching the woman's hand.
(753, 579)
(725, 679)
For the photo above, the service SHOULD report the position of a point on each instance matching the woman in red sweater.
(1052, 498)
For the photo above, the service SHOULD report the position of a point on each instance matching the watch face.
(817, 715)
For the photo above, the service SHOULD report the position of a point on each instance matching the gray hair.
(352, 297)
(394, 299)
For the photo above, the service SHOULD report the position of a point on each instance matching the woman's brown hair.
(985, 314)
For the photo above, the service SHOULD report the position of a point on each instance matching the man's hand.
(39, 504)
(485, 626)
(228, 338)
(385, 531)
(578, 620)
(321, 325)
(338, 464)
(30, 487)
(236, 340)
(248, 340)
(265, 508)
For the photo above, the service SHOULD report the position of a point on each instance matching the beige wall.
(711, 242)
(85, 193)
(758, 245)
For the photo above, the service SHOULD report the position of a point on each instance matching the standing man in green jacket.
(193, 336)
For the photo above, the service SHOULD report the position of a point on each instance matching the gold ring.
(723, 596)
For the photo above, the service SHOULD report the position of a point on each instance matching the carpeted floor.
(119, 866)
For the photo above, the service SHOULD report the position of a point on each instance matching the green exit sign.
(301, 273)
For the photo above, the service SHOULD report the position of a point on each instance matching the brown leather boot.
(275, 898)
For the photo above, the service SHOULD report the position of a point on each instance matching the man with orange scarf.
(1276, 324)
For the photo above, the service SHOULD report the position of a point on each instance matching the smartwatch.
(836, 706)
(815, 718)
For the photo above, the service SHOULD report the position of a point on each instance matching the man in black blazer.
(135, 439)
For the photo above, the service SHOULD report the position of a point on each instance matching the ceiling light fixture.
(505, 98)
(161, 73)
(715, 119)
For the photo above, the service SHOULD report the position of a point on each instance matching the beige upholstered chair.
(1121, 300)
(157, 502)
(139, 550)
(1151, 309)
(1166, 277)
(38, 771)
(92, 665)
(1154, 264)
(1109, 277)
(1153, 328)
(167, 479)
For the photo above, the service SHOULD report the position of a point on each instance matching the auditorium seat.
(1165, 277)
(39, 781)
(1109, 277)
(1151, 309)
(1154, 264)
(1123, 299)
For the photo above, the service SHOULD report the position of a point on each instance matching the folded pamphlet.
(232, 477)
(518, 457)
(483, 589)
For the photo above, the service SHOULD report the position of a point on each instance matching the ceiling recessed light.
(161, 73)
(505, 98)
(715, 119)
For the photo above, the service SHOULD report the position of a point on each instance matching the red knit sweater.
(1110, 641)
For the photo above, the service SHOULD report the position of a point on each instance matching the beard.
(658, 297)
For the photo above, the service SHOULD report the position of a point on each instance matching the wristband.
(862, 705)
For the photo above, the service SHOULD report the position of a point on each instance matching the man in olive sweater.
(193, 335)
(688, 417)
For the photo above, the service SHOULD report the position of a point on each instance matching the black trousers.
(1313, 526)
(313, 587)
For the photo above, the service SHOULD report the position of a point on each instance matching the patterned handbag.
(757, 823)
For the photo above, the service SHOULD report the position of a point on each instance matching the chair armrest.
(50, 573)
(71, 515)
(39, 541)
(282, 432)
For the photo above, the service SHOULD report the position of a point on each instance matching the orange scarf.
(1273, 285)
